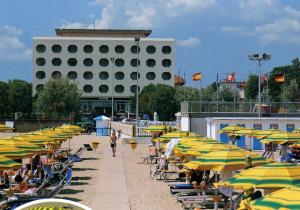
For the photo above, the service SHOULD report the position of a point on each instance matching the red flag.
(264, 78)
(231, 77)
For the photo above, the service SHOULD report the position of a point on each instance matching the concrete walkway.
(111, 192)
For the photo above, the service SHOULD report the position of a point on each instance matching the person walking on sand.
(113, 142)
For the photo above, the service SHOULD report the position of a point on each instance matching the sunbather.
(4, 180)
(152, 151)
(249, 195)
(22, 184)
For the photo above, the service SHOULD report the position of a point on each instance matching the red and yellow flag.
(279, 77)
(197, 76)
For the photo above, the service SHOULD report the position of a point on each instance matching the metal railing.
(214, 106)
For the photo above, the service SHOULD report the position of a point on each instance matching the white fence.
(129, 128)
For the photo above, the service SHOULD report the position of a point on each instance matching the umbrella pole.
(69, 145)
(216, 206)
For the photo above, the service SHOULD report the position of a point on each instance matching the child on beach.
(113, 142)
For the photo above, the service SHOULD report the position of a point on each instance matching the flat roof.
(102, 32)
(101, 38)
(251, 118)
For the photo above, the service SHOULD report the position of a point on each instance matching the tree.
(59, 99)
(291, 72)
(3, 98)
(228, 93)
(19, 96)
(184, 93)
(251, 90)
(209, 93)
(158, 98)
(291, 92)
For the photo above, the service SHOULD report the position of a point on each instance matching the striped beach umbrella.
(7, 163)
(225, 160)
(4, 128)
(72, 127)
(14, 152)
(203, 148)
(287, 198)
(250, 132)
(176, 134)
(260, 134)
(281, 138)
(11, 142)
(158, 128)
(231, 129)
(272, 175)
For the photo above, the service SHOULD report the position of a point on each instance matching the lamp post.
(260, 59)
(137, 42)
(113, 85)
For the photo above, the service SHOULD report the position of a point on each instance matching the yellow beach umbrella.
(287, 198)
(272, 175)
(72, 127)
(52, 135)
(27, 146)
(177, 134)
(14, 152)
(281, 138)
(4, 128)
(250, 132)
(202, 148)
(68, 132)
(225, 160)
(231, 129)
(158, 128)
(7, 163)
(260, 134)
(34, 139)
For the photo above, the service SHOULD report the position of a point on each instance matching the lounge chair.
(23, 198)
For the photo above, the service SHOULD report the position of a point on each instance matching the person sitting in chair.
(22, 184)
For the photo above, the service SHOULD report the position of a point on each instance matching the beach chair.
(267, 154)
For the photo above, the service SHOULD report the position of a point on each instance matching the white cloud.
(75, 25)
(11, 46)
(140, 18)
(106, 17)
(285, 30)
(254, 10)
(177, 7)
(189, 42)
(105, 20)
(140, 14)
(292, 11)
(278, 26)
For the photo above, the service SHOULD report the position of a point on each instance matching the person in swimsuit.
(113, 142)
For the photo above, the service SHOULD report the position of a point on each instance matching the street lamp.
(137, 42)
(113, 85)
(260, 59)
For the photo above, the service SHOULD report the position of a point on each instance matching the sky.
(212, 36)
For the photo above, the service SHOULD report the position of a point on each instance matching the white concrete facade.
(43, 67)
(285, 124)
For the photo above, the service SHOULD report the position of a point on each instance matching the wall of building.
(44, 56)
(215, 124)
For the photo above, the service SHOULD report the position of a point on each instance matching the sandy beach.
(140, 192)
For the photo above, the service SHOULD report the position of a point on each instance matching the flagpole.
(217, 92)
(201, 80)
(184, 80)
